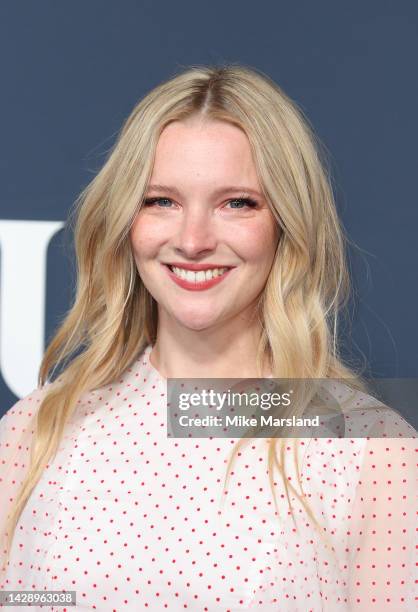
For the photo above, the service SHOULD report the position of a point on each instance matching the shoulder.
(27, 404)
(348, 412)
(18, 421)
(358, 434)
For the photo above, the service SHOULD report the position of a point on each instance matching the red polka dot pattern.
(129, 518)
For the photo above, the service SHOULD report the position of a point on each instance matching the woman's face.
(193, 213)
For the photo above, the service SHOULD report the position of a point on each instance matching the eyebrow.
(216, 192)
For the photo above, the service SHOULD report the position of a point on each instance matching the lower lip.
(196, 286)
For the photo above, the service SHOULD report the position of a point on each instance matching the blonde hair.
(114, 317)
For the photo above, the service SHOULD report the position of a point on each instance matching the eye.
(248, 202)
(151, 201)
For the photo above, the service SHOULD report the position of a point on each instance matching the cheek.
(145, 237)
(257, 241)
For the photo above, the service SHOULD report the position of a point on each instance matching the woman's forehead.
(214, 155)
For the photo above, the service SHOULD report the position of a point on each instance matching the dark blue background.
(71, 72)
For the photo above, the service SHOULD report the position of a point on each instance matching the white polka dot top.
(130, 519)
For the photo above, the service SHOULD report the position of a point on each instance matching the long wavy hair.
(114, 317)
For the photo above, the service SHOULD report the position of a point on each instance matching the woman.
(215, 169)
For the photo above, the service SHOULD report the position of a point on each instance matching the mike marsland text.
(243, 421)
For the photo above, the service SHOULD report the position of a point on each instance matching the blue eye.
(247, 201)
(150, 201)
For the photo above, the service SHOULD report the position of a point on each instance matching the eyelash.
(248, 201)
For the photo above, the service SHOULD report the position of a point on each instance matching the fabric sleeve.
(16, 433)
(381, 526)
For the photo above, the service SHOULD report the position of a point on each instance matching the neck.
(227, 352)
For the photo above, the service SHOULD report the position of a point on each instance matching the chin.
(196, 323)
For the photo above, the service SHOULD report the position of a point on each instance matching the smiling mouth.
(197, 276)
(200, 280)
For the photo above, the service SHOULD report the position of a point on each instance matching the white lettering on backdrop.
(23, 250)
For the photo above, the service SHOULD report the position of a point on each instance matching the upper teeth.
(198, 277)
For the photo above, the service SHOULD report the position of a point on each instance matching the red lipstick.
(198, 286)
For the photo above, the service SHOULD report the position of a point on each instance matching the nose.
(196, 234)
